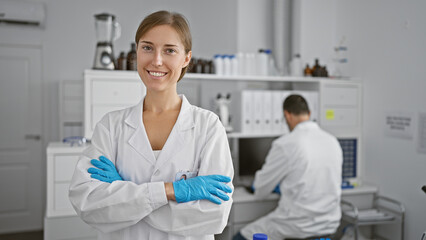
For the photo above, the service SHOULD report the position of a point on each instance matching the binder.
(266, 124)
(257, 111)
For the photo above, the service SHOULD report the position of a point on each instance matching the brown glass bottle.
(122, 62)
(316, 69)
(307, 71)
(131, 58)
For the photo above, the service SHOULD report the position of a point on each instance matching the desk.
(246, 208)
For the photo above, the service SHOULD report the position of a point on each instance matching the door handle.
(33, 137)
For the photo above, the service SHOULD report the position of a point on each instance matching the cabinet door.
(250, 211)
(64, 167)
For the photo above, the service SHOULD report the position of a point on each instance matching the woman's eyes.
(147, 48)
(169, 51)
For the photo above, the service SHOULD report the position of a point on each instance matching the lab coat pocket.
(185, 175)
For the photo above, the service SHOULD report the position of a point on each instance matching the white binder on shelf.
(266, 124)
(257, 111)
(242, 111)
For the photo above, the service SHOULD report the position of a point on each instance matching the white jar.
(226, 65)
(234, 65)
(218, 64)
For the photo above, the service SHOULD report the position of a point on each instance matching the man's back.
(312, 186)
(307, 163)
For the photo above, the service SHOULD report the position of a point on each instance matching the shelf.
(203, 76)
(261, 78)
(253, 135)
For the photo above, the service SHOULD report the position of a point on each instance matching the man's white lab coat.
(137, 208)
(307, 163)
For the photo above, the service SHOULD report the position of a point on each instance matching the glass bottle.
(307, 71)
(131, 58)
(122, 62)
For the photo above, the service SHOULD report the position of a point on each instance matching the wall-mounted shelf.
(262, 78)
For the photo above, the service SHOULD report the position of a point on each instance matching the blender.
(107, 31)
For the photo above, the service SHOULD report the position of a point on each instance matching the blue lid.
(217, 55)
(232, 56)
(260, 236)
(267, 51)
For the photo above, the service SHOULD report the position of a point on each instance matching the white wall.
(68, 38)
(386, 48)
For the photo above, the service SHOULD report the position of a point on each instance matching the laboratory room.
(202, 120)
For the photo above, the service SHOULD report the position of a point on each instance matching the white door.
(21, 165)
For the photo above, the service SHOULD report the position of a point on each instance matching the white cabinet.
(61, 221)
(106, 91)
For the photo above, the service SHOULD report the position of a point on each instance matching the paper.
(399, 124)
(329, 114)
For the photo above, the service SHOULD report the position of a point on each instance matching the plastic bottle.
(250, 64)
(296, 66)
(263, 62)
(218, 64)
(272, 70)
(226, 65)
(260, 236)
(241, 63)
(131, 58)
(234, 66)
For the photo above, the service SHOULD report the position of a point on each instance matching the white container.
(250, 64)
(218, 64)
(234, 66)
(262, 62)
(226, 65)
(241, 57)
(296, 68)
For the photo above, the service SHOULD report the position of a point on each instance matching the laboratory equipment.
(210, 187)
(105, 171)
(107, 31)
(222, 103)
(75, 140)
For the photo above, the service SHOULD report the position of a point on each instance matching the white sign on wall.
(399, 124)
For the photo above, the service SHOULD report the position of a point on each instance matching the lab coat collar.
(306, 125)
(175, 141)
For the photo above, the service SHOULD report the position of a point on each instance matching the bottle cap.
(217, 55)
(267, 51)
(260, 236)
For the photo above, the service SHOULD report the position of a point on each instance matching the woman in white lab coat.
(135, 191)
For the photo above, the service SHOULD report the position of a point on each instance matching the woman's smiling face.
(160, 58)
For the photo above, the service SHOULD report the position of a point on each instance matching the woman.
(135, 190)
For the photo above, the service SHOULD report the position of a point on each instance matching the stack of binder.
(261, 111)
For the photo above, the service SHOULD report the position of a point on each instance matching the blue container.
(260, 236)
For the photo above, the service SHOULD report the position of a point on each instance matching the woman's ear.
(187, 59)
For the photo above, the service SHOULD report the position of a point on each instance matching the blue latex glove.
(209, 187)
(277, 189)
(105, 171)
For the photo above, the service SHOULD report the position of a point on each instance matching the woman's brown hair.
(177, 21)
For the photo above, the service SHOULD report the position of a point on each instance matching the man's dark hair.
(296, 104)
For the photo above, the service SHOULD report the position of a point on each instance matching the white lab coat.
(137, 208)
(307, 163)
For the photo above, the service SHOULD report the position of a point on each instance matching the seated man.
(307, 165)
